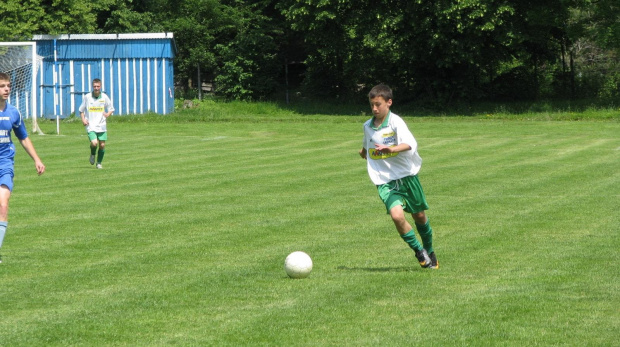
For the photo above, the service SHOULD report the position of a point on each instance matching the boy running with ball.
(393, 163)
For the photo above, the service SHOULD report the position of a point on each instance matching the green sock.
(100, 155)
(426, 234)
(411, 240)
(93, 150)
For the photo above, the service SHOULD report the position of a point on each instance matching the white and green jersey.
(386, 167)
(93, 109)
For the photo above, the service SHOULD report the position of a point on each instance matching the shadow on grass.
(464, 108)
(376, 269)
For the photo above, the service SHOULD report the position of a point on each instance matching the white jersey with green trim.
(386, 167)
(93, 109)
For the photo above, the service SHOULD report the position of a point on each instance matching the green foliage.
(67, 17)
(249, 64)
(20, 19)
(463, 43)
(198, 26)
(330, 32)
(23, 18)
(611, 87)
(604, 22)
(435, 52)
(120, 16)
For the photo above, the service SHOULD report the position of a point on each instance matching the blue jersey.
(10, 119)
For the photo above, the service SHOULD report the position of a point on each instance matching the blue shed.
(136, 72)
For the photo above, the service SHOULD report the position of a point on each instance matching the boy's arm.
(84, 120)
(109, 107)
(82, 110)
(403, 147)
(27, 144)
(363, 153)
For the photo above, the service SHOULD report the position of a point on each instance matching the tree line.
(438, 51)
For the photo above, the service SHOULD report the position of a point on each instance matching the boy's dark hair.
(96, 80)
(381, 90)
(5, 76)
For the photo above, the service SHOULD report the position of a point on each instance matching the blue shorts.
(6, 178)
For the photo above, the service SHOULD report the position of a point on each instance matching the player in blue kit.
(11, 120)
(393, 163)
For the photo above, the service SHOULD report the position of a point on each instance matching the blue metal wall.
(136, 72)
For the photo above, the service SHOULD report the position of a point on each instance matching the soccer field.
(181, 238)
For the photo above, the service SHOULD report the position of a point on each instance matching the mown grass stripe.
(182, 239)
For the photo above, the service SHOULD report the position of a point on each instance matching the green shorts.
(99, 136)
(406, 192)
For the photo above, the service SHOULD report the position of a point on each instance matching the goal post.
(21, 62)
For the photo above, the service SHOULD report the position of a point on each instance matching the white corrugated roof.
(104, 36)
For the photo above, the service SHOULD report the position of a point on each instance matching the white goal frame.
(36, 62)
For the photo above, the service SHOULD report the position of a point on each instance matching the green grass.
(181, 239)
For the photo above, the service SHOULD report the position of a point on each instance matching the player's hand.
(383, 148)
(40, 167)
(85, 122)
(363, 153)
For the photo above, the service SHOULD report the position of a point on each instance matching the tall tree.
(20, 19)
(198, 26)
(23, 18)
(125, 16)
(441, 50)
(437, 49)
(605, 22)
(67, 16)
(250, 64)
(332, 40)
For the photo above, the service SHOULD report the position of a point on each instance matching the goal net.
(21, 62)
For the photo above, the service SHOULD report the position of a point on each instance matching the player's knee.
(398, 216)
(419, 217)
(4, 209)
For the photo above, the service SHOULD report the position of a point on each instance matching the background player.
(96, 107)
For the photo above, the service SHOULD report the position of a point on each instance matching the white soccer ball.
(298, 265)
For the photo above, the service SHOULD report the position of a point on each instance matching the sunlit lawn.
(181, 238)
